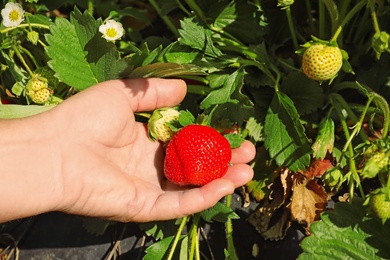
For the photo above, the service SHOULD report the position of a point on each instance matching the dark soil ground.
(60, 236)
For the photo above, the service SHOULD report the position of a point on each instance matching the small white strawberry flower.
(111, 30)
(13, 14)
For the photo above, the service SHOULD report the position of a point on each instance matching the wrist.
(30, 167)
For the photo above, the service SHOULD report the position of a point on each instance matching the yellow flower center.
(111, 32)
(14, 15)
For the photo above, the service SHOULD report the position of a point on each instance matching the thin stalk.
(199, 12)
(198, 89)
(229, 232)
(291, 27)
(310, 16)
(37, 25)
(22, 60)
(321, 23)
(90, 6)
(165, 18)
(176, 239)
(374, 18)
(194, 241)
(352, 165)
(30, 56)
(348, 17)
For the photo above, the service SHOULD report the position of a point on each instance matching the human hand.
(104, 164)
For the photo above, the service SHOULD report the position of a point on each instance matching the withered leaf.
(317, 168)
(308, 200)
(272, 219)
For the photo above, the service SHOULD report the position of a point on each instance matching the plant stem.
(321, 10)
(165, 18)
(194, 6)
(348, 17)
(229, 232)
(22, 60)
(310, 16)
(37, 25)
(176, 239)
(291, 27)
(374, 18)
(194, 239)
(90, 6)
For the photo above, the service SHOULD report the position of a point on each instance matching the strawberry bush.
(306, 81)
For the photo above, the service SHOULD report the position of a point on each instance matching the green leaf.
(324, 142)
(19, 74)
(306, 94)
(162, 70)
(19, 111)
(160, 249)
(347, 233)
(223, 94)
(219, 212)
(159, 229)
(197, 37)
(255, 129)
(235, 140)
(285, 138)
(96, 226)
(79, 55)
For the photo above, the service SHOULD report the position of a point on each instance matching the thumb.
(151, 93)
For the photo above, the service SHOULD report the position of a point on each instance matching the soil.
(61, 236)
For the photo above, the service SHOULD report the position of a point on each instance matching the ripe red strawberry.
(196, 155)
(321, 61)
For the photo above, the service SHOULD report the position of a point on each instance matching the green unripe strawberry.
(49, 75)
(36, 84)
(380, 204)
(38, 90)
(375, 164)
(41, 96)
(322, 62)
(157, 124)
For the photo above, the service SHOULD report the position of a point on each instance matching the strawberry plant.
(306, 81)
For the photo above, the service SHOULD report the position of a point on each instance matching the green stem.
(374, 18)
(321, 23)
(310, 16)
(291, 27)
(165, 18)
(181, 6)
(194, 239)
(199, 12)
(36, 25)
(348, 17)
(90, 6)
(30, 56)
(335, 99)
(229, 232)
(198, 89)
(22, 60)
(176, 239)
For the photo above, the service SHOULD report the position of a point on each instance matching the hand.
(104, 165)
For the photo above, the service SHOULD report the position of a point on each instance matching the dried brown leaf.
(308, 200)
(317, 168)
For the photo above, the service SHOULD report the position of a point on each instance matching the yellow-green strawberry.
(380, 203)
(41, 96)
(36, 84)
(322, 62)
(157, 124)
(49, 75)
